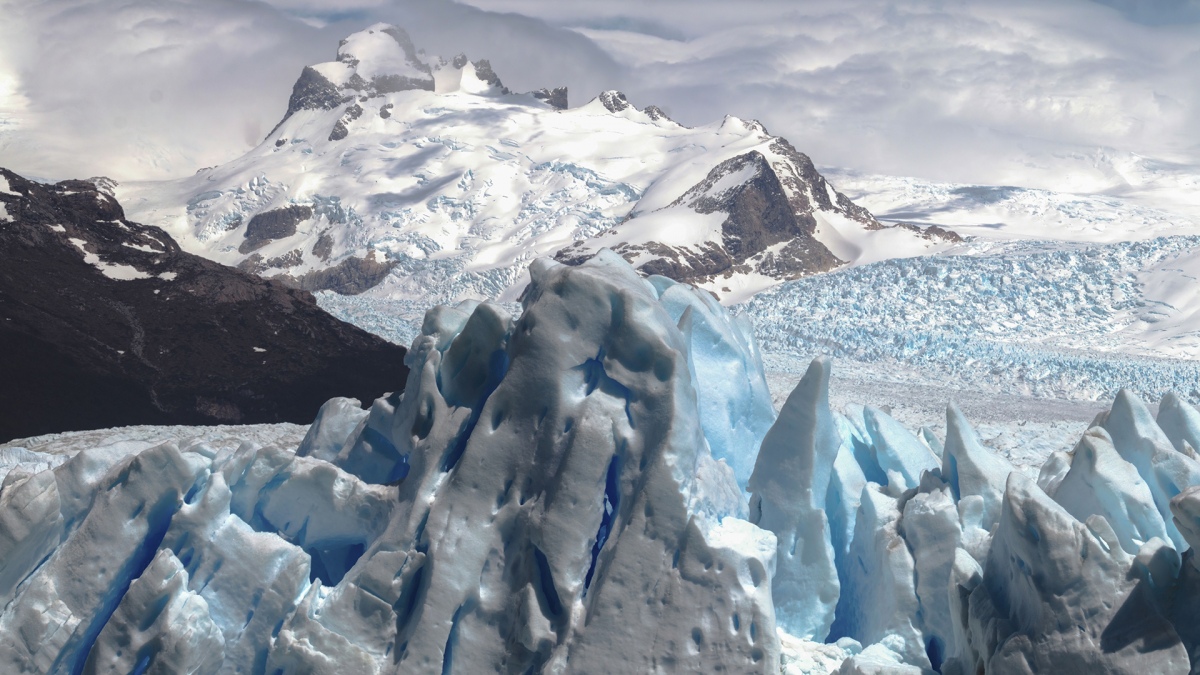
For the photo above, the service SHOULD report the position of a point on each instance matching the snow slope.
(1005, 213)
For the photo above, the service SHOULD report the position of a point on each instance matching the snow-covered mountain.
(426, 178)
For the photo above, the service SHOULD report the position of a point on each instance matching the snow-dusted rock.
(788, 497)
(426, 179)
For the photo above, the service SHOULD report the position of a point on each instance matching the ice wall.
(961, 565)
(540, 498)
(789, 488)
(735, 404)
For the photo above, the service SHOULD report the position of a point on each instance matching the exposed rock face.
(312, 91)
(556, 97)
(932, 232)
(271, 225)
(760, 215)
(107, 323)
(483, 70)
(769, 197)
(349, 277)
(614, 101)
(655, 113)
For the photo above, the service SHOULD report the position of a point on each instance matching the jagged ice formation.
(562, 491)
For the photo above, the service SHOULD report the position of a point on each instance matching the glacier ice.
(735, 403)
(1180, 422)
(788, 491)
(1138, 439)
(880, 599)
(541, 493)
(972, 469)
(972, 567)
(1100, 482)
(1056, 597)
(576, 487)
(900, 454)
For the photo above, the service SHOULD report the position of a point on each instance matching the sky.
(1075, 95)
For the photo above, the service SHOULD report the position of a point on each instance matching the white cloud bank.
(138, 89)
(1069, 94)
(1047, 94)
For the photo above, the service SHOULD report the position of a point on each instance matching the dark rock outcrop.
(312, 91)
(932, 232)
(105, 322)
(556, 97)
(274, 224)
(760, 215)
(614, 101)
(770, 198)
(324, 246)
(349, 277)
(483, 70)
(655, 113)
(390, 84)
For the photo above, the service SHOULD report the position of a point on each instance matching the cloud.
(1045, 94)
(1157, 12)
(1056, 94)
(141, 89)
(146, 87)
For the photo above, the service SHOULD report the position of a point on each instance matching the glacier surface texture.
(597, 483)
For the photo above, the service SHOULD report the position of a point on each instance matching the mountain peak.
(614, 100)
(381, 60)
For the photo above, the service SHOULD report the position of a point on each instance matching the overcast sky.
(1049, 93)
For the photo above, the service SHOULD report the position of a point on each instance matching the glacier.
(596, 480)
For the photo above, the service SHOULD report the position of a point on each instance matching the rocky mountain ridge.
(107, 322)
